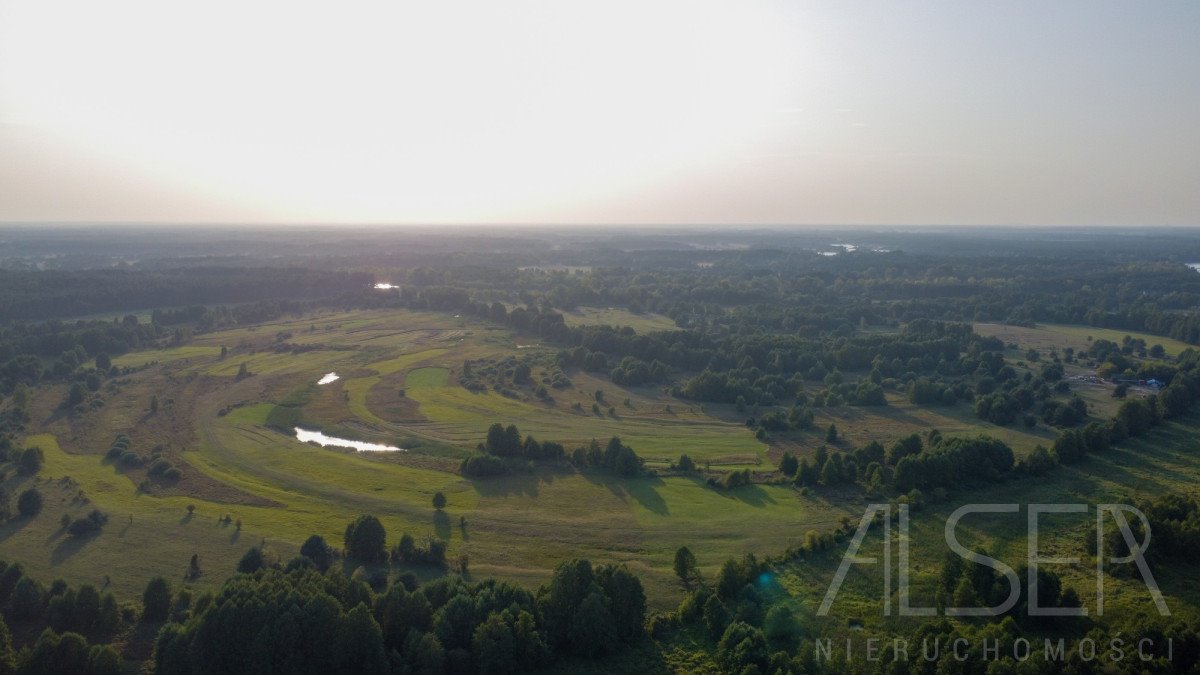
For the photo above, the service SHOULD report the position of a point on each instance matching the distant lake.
(384, 286)
(851, 248)
(329, 377)
(1195, 266)
(304, 436)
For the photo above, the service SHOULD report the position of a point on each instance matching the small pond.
(306, 436)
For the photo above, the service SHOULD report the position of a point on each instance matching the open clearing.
(1048, 336)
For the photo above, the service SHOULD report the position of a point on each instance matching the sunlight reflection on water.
(305, 436)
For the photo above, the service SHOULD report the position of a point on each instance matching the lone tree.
(831, 435)
(439, 501)
(685, 565)
(366, 540)
(153, 405)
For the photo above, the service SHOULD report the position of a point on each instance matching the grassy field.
(399, 384)
(139, 359)
(213, 425)
(146, 534)
(858, 426)
(1059, 336)
(517, 526)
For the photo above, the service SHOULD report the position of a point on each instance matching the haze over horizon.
(710, 113)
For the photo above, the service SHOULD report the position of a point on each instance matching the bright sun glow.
(364, 111)
(560, 112)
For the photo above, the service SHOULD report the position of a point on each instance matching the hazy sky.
(1040, 112)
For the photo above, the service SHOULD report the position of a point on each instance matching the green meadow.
(399, 374)
(398, 384)
(1060, 336)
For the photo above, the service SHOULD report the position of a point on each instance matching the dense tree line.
(80, 352)
(303, 620)
(504, 441)
(33, 295)
(64, 618)
(751, 630)
(912, 463)
(954, 461)
(503, 446)
(799, 291)
(1174, 520)
(615, 456)
(747, 625)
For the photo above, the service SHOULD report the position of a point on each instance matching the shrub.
(29, 504)
(159, 467)
(736, 479)
(1038, 462)
(32, 460)
(433, 553)
(92, 524)
(82, 527)
(130, 458)
(481, 466)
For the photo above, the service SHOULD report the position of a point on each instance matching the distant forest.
(787, 282)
